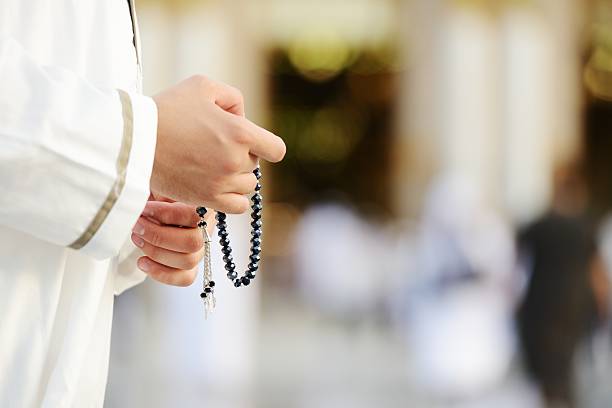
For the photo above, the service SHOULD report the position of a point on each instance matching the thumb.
(177, 214)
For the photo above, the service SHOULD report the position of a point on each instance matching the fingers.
(171, 259)
(166, 274)
(172, 213)
(232, 203)
(185, 240)
(263, 143)
(229, 99)
(243, 183)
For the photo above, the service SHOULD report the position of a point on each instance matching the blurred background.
(438, 234)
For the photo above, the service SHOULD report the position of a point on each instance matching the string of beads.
(226, 249)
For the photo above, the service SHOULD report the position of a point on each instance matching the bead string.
(256, 229)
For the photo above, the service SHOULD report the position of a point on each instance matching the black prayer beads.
(256, 226)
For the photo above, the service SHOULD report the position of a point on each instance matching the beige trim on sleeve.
(122, 162)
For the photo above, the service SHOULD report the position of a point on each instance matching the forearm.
(75, 160)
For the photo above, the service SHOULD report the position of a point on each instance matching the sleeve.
(75, 160)
(127, 274)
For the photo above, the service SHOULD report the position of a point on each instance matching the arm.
(75, 160)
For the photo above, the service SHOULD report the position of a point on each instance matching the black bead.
(256, 250)
(232, 275)
(230, 266)
(211, 284)
(201, 211)
(224, 242)
(256, 216)
(257, 207)
(257, 198)
(202, 224)
(250, 274)
(223, 233)
(245, 281)
(226, 250)
(258, 187)
(237, 283)
(207, 290)
(221, 216)
(256, 241)
(256, 232)
(253, 266)
(222, 226)
(257, 173)
(228, 258)
(202, 295)
(256, 224)
(255, 258)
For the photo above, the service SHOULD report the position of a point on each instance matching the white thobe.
(77, 142)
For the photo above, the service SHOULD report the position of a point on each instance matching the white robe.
(77, 141)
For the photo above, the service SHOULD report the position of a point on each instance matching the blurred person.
(81, 152)
(560, 306)
(594, 365)
(594, 362)
(460, 309)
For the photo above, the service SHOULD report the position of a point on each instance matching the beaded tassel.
(208, 293)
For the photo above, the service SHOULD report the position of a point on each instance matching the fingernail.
(139, 242)
(143, 265)
(138, 228)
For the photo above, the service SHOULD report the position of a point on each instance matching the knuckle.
(199, 79)
(231, 164)
(155, 237)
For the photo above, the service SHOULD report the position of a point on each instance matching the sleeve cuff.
(127, 273)
(131, 190)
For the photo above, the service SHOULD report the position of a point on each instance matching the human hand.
(173, 246)
(206, 149)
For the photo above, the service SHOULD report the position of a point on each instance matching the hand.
(206, 148)
(167, 234)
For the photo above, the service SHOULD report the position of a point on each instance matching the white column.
(541, 101)
(450, 99)
(469, 97)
